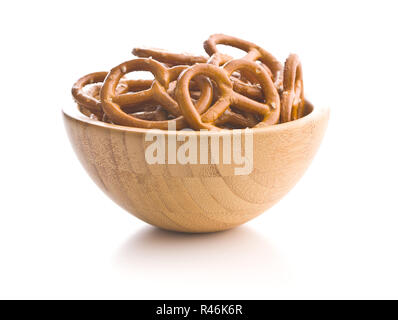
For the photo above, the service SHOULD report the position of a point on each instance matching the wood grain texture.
(195, 197)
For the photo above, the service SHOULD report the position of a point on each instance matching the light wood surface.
(195, 197)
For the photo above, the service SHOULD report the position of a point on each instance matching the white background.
(333, 236)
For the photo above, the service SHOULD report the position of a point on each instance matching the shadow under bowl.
(250, 172)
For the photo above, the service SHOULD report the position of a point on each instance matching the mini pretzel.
(89, 100)
(157, 113)
(270, 110)
(246, 119)
(254, 52)
(248, 90)
(115, 106)
(251, 91)
(93, 94)
(168, 57)
(149, 113)
(174, 59)
(292, 101)
(92, 91)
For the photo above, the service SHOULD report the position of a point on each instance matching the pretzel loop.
(246, 84)
(271, 106)
(171, 58)
(147, 112)
(292, 103)
(115, 106)
(254, 52)
(227, 97)
(89, 101)
(157, 93)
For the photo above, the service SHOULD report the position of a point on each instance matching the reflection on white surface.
(240, 254)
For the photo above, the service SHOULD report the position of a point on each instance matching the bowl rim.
(72, 111)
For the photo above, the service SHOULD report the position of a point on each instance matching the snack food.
(214, 92)
(227, 97)
(90, 99)
(254, 52)
(292, 99)
(168, 57)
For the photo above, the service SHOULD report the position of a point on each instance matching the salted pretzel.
(147, 112)
(243, 84)
(254, 52)
(89, 99)
(157, 113)
(170, 58)
(186, 59)
(92, 91)
(270, 110)
(292, 100)
(246, 84)
(173, 59)
(229, 116)
(116, 106)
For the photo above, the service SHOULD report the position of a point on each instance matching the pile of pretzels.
(211, 92)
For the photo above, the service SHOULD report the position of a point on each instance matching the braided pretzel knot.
(292, 102)
(167, 57)
(89, 100)
(270, 110)
(115, 106)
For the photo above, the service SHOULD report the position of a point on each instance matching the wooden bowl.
(195, 197)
